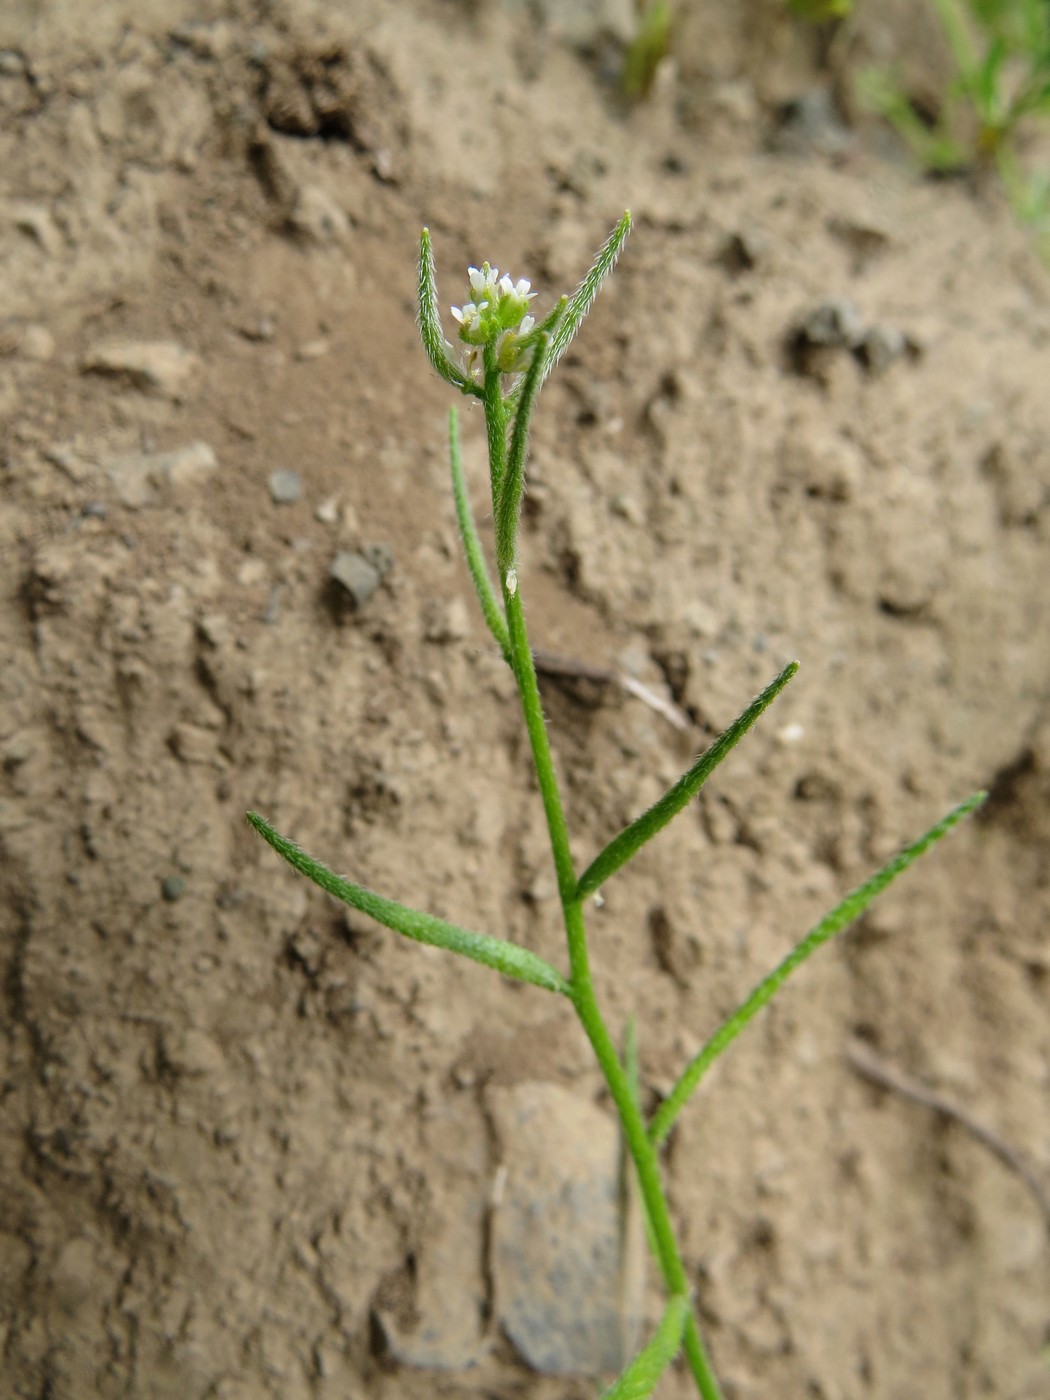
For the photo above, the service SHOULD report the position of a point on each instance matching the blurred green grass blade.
(640, 1378)
(434, 342)
(581, 299)
(490, 607)
(508, 958)
(844, 914)
(820, 10)
(630, 840)
(651, 44)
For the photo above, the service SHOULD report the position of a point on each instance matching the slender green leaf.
(622, 847)
(512, 487)
(497, 623)
(957, 32)
(650, 45)
(985, 85)
(640, 1378)
(581, 299)
(434, 342)
(505, 957)
(820, 10)
(846, 913)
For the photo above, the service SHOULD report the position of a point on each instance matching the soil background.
(253, 1146)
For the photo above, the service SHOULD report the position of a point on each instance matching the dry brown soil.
(248, 1144)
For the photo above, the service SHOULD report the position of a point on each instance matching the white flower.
(496, 314)
(519, 289)
(469, 315)
(483, 280)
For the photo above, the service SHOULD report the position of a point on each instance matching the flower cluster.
(497, 315)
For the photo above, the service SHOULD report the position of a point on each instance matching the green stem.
(642, 1150)
(532, 708)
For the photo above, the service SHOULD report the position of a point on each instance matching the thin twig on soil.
(870, 1066)
(548, 664)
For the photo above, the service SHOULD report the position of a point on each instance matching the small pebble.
(881, 346)
(172, 887)
(327, 513)
(286, 487)
(834, 322)
(355, 575)
(312, 350)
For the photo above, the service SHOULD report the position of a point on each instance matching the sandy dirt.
(252, 1145)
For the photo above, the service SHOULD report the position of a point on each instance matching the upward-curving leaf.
(581, 299)
(505, 957)
(639, 1380)
(630, 840)
(433, 337)
(840, 917)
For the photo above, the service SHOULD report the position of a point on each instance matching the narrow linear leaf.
(650, 45)
(508, 506)
(505, 957)
(957, 33)
(581, 299)
(630, 840)
(844, 914)
(497, 623)
(640, 1378)
(429, 318)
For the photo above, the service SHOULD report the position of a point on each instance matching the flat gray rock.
(566, 1266)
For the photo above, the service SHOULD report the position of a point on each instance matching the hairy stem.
(642, 1150)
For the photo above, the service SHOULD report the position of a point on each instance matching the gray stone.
(566, 1266)
(356, 575)
(286, 487)
(835, 322)
(881, 346)
(172, 887)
